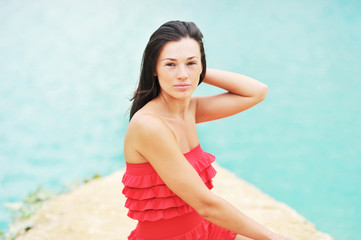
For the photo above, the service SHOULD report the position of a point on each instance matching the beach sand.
(95, 211)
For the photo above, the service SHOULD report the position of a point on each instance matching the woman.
(168, 175)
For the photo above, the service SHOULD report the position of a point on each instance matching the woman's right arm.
(155, 142)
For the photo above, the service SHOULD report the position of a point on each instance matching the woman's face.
(178, 68)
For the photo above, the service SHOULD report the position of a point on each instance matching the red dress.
(160, 213)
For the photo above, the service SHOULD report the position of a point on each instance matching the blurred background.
(68, 69)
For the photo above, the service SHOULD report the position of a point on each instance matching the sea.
(68, 70)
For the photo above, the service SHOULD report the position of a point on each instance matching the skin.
(165, 128)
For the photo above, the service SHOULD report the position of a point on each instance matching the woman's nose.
(182, 72)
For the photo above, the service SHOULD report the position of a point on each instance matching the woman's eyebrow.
(173, 59)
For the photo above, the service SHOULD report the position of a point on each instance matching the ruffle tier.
(154, 215)
(149, 199)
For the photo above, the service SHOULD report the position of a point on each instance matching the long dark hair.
(148, 87)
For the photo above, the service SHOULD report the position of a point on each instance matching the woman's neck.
(174, 107)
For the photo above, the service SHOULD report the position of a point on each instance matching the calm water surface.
(68, 69)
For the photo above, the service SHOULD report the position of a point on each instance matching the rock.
(95, 211)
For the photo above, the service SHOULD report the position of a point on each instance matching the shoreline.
(95, 210)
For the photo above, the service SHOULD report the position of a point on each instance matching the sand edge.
(96, 211)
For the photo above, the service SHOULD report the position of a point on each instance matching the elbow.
(208, 207)
(205, 212)
(263, 92)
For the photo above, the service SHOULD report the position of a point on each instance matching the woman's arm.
(243, 93)
(156, 142)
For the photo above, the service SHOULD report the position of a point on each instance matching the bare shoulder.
(146, 123)
(145, 129)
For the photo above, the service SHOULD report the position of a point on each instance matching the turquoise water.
(68, 69)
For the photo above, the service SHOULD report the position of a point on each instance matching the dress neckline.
(193, 149)
(184, 154)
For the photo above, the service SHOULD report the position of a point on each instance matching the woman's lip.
(182, 86)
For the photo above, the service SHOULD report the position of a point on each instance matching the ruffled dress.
(160, 213)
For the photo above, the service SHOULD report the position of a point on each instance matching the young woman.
(168, 176)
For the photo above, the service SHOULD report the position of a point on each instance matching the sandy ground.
(95, 211)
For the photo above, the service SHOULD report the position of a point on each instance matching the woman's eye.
(170, 64)
(192, 63)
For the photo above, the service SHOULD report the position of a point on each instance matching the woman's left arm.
(243, 93)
